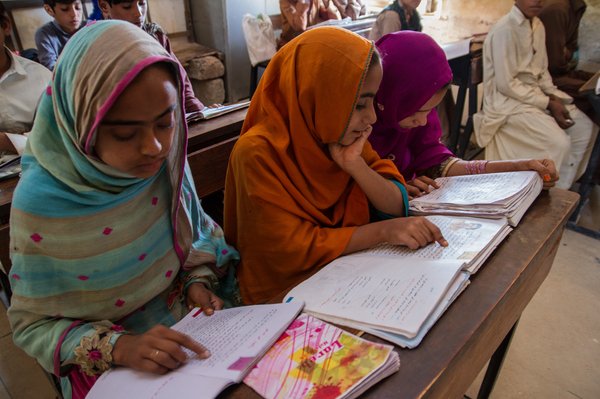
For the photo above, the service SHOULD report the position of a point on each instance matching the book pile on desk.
(10, 165)
(493, 195)
(397, 293)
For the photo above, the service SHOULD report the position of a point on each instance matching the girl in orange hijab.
(302, 180)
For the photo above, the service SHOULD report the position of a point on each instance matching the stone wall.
(204, 66)
(589, 36)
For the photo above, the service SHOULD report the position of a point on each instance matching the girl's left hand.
(545, 168)
(420, 185)
(200, 296)
(348, 157)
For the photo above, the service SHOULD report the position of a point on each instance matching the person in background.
(561, 19)
(351, 8)
(303, 184)
(135, 12)
(416, 76)
(110, 245)
(399, 15)
(22, 83)
(524, 115)
(298, 15)
(52, 37)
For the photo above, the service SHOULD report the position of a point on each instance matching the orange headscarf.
(289, 208)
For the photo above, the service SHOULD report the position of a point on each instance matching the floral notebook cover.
(314, 359)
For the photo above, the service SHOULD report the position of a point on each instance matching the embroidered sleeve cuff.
(94, 352)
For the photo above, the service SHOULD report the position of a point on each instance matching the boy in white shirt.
(22, 82)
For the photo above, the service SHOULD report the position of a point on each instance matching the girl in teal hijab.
(109, 242)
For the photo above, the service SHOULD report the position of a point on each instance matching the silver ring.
(155, 353)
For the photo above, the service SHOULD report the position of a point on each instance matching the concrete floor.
(555, 352)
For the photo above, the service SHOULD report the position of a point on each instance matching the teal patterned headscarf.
(89, 244)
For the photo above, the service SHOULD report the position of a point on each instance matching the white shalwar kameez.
(514, 122)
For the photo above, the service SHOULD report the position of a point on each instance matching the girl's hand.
(420, 186)
(157, 351)
(545, 168)
(414, 232)
(200, 296)
(348, 157)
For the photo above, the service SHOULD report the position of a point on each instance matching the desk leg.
(495, 365)
(586, 184)
(5, 286)
(458, 113)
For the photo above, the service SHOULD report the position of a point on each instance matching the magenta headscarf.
(414, 69)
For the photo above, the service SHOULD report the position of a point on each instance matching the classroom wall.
(28, 21)
(218, 24)
(589, 36)
(169, 14)
(465, 15)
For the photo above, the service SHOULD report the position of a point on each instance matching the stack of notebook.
(494, 195)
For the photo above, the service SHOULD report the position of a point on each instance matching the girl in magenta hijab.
(416, 76)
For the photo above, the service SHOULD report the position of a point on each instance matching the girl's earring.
(380, 106)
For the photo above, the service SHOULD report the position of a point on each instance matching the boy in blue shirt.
(52, 37)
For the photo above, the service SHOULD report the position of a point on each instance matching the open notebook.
(237, 338)
(492, 195)
(397, 293)
(380, 292)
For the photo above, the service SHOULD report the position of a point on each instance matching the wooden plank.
(209, 167)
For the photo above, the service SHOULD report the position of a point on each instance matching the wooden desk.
(7, 187)
(213, 131)
(457, 348)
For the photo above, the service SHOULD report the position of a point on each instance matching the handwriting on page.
(224, 333)
(386, 298)
(461, 234)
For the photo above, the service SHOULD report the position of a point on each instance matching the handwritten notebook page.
(470, 240)
(235, 338)
(455, 290)
(362, 291)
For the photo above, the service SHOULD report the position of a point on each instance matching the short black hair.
(111, 2)
(3, 16)
(375, 57)
(53, 3)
